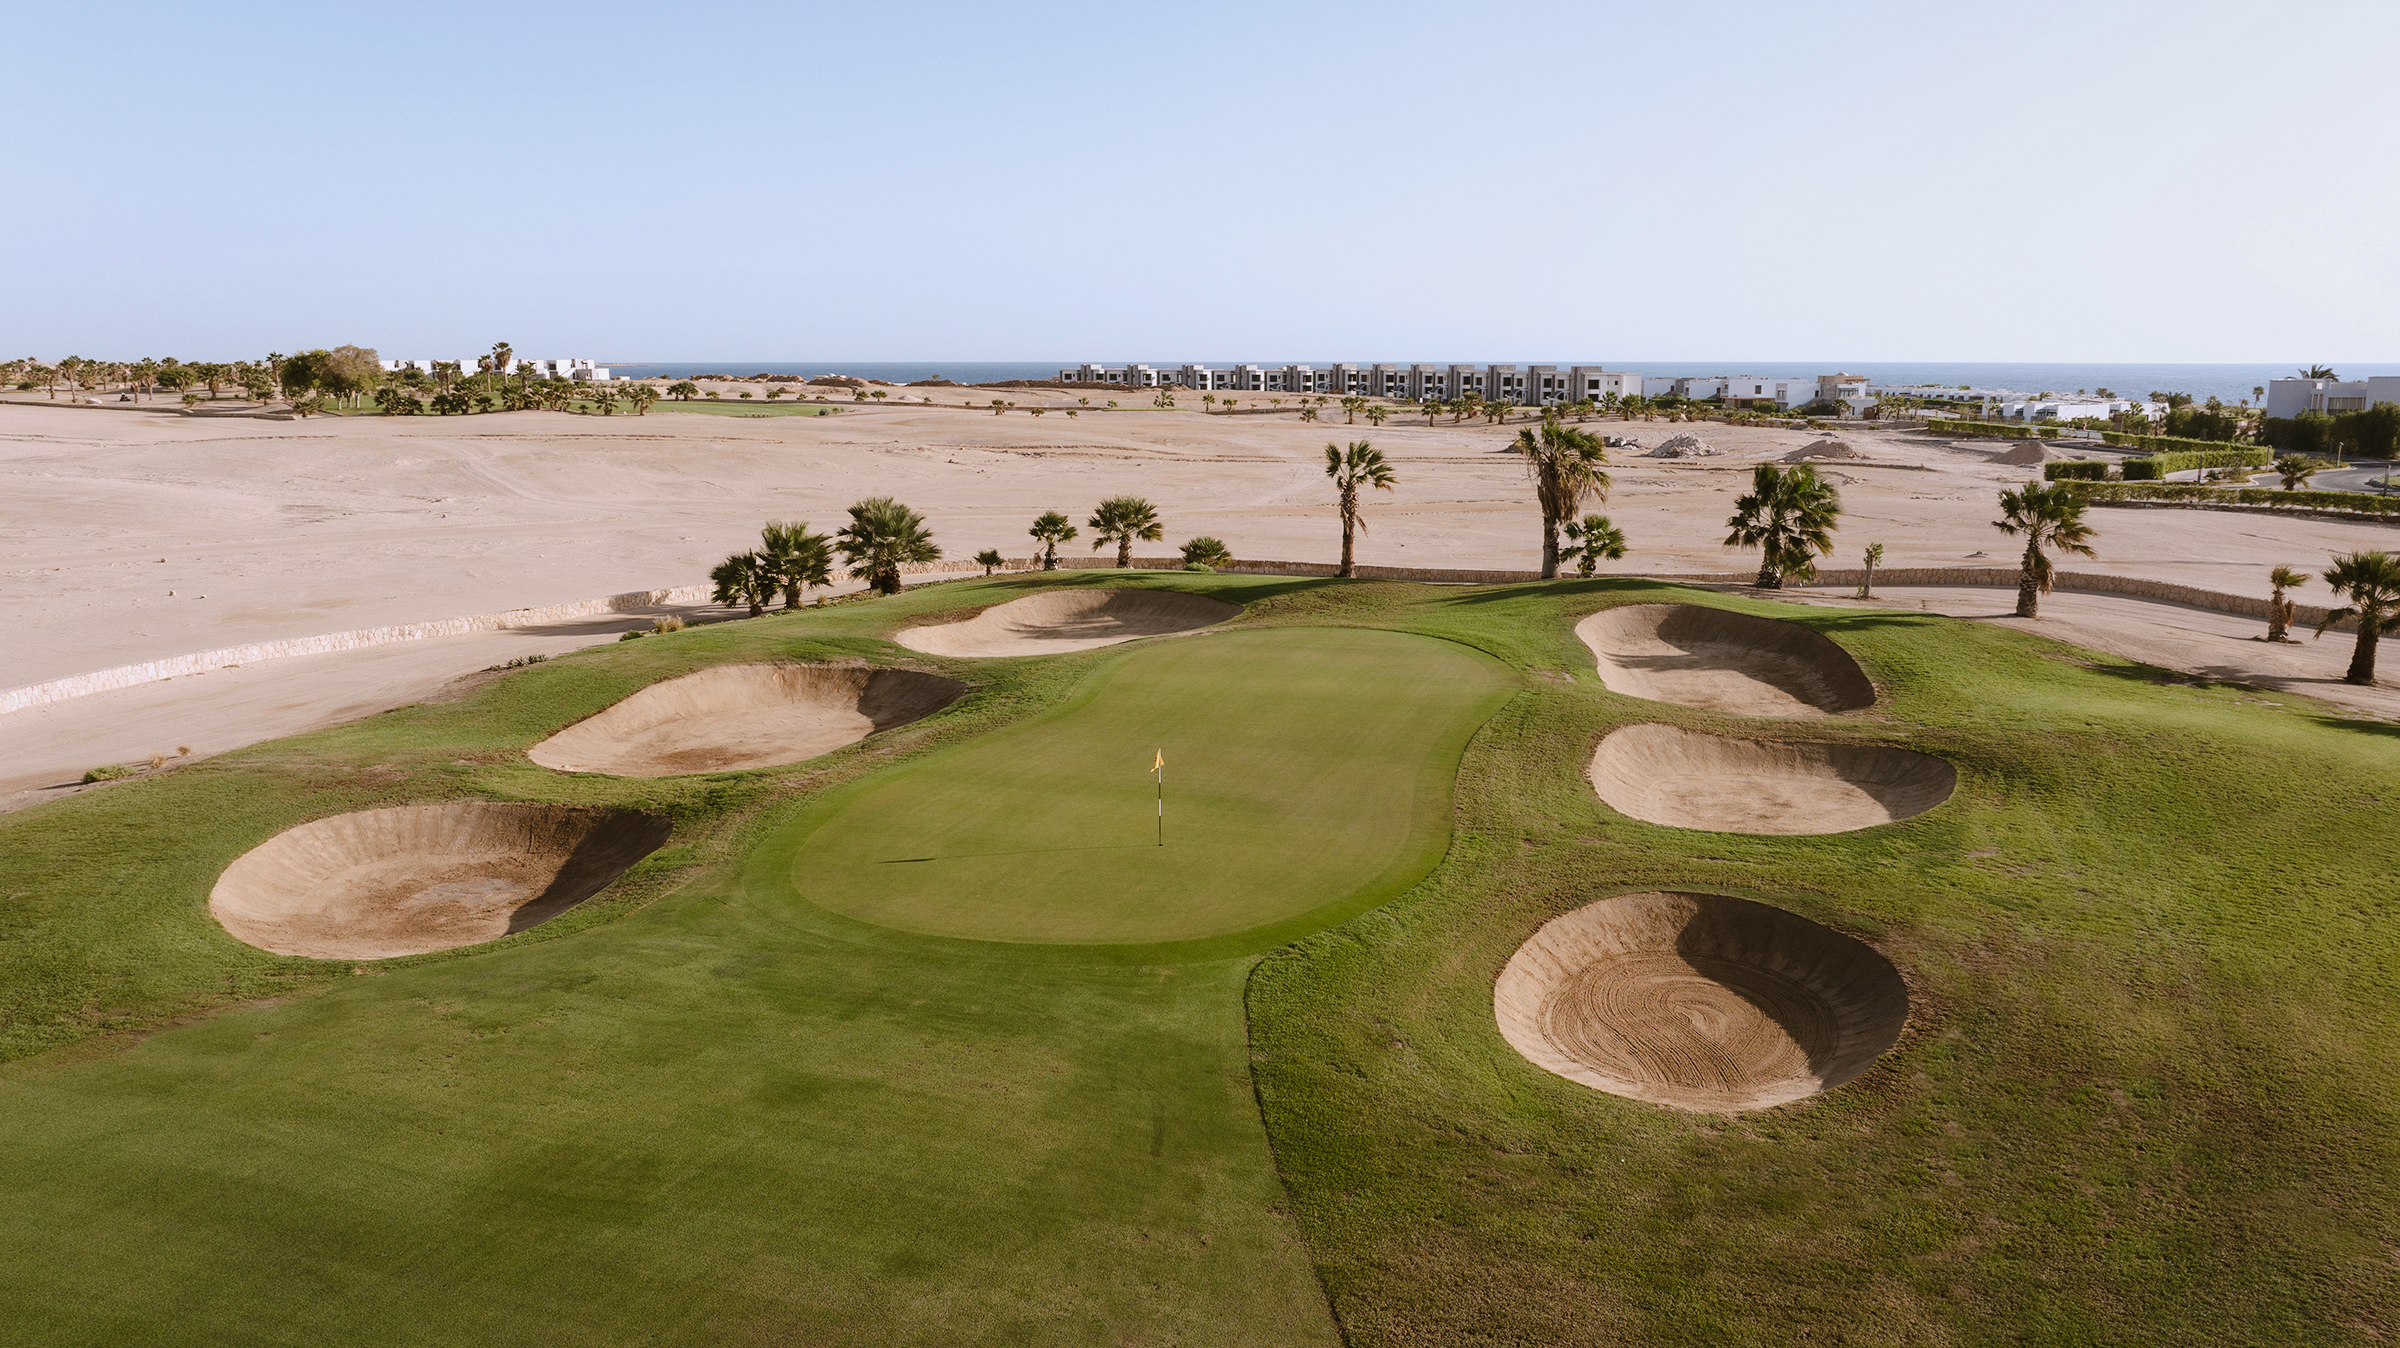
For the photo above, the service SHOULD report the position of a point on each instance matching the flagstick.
(1162, 798)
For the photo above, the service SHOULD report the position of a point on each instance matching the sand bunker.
(1666, 775)
(1697, 656)
(404, 881)
(1069, 620)
(744, 716)
(1699, 1001)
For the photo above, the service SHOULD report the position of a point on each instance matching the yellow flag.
(1162, 761)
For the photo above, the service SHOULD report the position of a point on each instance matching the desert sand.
(1665, 774)
(403, 881)
(276, 529)
(744, 716)
(1699, 1001)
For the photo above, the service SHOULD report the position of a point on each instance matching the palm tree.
(2296, 471)
(683, 390)
(1361, 465)
(1565, 465)
(2279, 608)
(990, 560)
(1874, 559)
(744, 578)
(1121, 520)
(1377, 414)
(2051, 514)
(2371, 582)
(1205, 551)
(1351, 407)
(883, 536)
(502, 354)
(1051, 529)
(797, 558)
(1465, 405)
(1789, 515)
(1308, 414)
(1592, 540)
(2312, 372)
(1432, 408)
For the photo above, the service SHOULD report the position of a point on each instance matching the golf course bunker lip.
(404, 881)
(1699, 1001)
(1697, 656)
(738, 717)
(1663, 774)
(1057, 621)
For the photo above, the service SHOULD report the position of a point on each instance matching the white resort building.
(582, 371)
(2290, 397)
(1532, 385)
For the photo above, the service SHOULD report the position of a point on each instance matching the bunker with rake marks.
(1664, 774)
(739, 717)
(1069, 620)
(404, 881)
(1697, 656)
(1699, 1001)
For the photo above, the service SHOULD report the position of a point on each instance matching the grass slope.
(2148, 1095)
(1309, 777)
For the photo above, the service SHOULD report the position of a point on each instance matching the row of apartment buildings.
(582, 371)
(1527, 386)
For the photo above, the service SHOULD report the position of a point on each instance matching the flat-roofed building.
(2290, 397)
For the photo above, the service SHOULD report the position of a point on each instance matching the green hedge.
(2157, 466)
(2160, 444)
(2001, 429)
(2076, 470)
(2361, 503)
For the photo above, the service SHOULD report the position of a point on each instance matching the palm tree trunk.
(1549, 548)
(1349, 570)
(2362, 656)
(2029, 585)
(1770, 577)
(2279, 618)
(1125, 553)
(1050, 556)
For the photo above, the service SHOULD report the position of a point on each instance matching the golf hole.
(404, 881)
(738, 717)
(1696, 656)
(1663, 774)
(1700, 1002)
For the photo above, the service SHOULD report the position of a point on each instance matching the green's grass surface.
(1308, 776)
(2150, 1092)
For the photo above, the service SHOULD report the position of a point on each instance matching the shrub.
(2076, 470)
(1198, 566)
(1208, 552)
(635, 635)
(2002, 429)
(108, 773)
(2157, 466)
(2165, 444)
(669, 623)
(2359, 503)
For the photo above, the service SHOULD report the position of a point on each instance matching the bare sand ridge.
(1699, 1001)
(1663, 774)
(1696, 656)
(403, 881)
(1069, 620)
(744, 716)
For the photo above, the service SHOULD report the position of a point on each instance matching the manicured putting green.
(1308, 778)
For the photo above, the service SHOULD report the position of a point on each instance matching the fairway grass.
(2146, 1093)
(1308, 777)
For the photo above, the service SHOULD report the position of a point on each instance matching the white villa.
(2291, 397)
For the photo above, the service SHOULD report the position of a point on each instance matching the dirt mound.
(2033, 451)
(1820, 450)
(1699, 1001)
(1665, 775)
(1682, 447)
(738, 717)
(1069, 620)
(381, 883)
(838, 381)
(1697, 656)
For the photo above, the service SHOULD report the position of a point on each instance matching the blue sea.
(2232, 383)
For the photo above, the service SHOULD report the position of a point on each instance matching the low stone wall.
(2002, 578)
(152, 671)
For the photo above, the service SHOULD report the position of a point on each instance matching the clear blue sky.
(2139, 181)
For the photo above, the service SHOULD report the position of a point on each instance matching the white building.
(580, 370)
(1536, 385)
(2290, 397)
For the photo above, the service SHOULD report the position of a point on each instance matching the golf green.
(1308, 775)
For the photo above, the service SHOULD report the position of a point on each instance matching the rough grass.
(2147, 1095)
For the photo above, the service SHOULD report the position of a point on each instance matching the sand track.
(1069, 620)
(1698, 1001)
(1667, 775)
(737, 717)
(1697, 656)
(380, 883)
